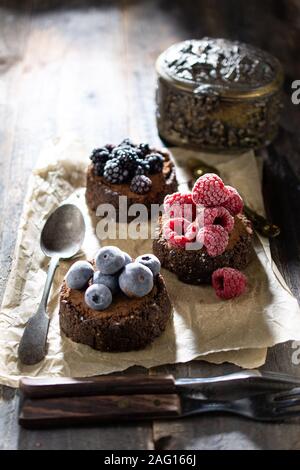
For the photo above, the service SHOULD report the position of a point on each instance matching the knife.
(152, 384)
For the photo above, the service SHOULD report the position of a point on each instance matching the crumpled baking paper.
(237, 331)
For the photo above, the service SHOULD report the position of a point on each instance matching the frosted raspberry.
(180, 205)
(214, 238)
(209, 190)
(174, 231)
(191, 231)
(215, 216)
(228, 283)
(182, 198)
(234, 203)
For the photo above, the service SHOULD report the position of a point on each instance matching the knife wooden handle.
(67, 411)
(102, 385)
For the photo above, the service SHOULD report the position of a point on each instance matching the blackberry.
(125, 150)
(156, 162)
(110, 147)
(115, 172)
(126, 143)
(127, 158)
(99, 168)
(141, 184)
(142, 167)
(99, 158)
(143, 150)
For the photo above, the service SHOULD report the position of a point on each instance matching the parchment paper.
(237, 331)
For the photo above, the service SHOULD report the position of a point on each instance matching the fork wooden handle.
(67, 411)
(102, 385)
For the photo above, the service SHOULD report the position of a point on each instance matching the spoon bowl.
(63, 232)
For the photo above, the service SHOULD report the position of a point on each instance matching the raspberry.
(228, 283)
(214, 238)
(191, 231)
(209, 190)
(181, 198)
(180, 205)
(174, 231)
(234, 203)
(215, 216)
(141, 184)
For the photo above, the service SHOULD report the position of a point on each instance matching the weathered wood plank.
(14, 30)
(60, 89)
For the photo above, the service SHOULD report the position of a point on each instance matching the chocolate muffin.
(127, 324)
(140, 179)
(196, 266)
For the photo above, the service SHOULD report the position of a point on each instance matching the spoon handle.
(261, 224)
(50, 275)
(32, 348)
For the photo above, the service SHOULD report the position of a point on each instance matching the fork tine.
(284, 402)
(286, 395)
(282, 377)
(286, 413)
(288, 403)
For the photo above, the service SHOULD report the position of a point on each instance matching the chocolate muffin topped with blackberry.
(143, 174)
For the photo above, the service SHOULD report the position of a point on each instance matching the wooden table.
(87, 69)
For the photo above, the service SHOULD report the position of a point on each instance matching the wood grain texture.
(69, 411)
(85, 68)
(102, 385)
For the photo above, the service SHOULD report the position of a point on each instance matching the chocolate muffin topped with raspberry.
(143, 174)
(203, 231)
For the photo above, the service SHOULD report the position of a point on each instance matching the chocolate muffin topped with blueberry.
(143, 174)
(114, 303)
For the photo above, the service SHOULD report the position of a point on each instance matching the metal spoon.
(260, 223)
(61, 238)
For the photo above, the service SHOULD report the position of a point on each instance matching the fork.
(265, 407)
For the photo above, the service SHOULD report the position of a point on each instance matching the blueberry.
(128, 258)
(79, 275)
(107, 280)
(110, 259)
(98, 297)
(136, 280)
(151, 261)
